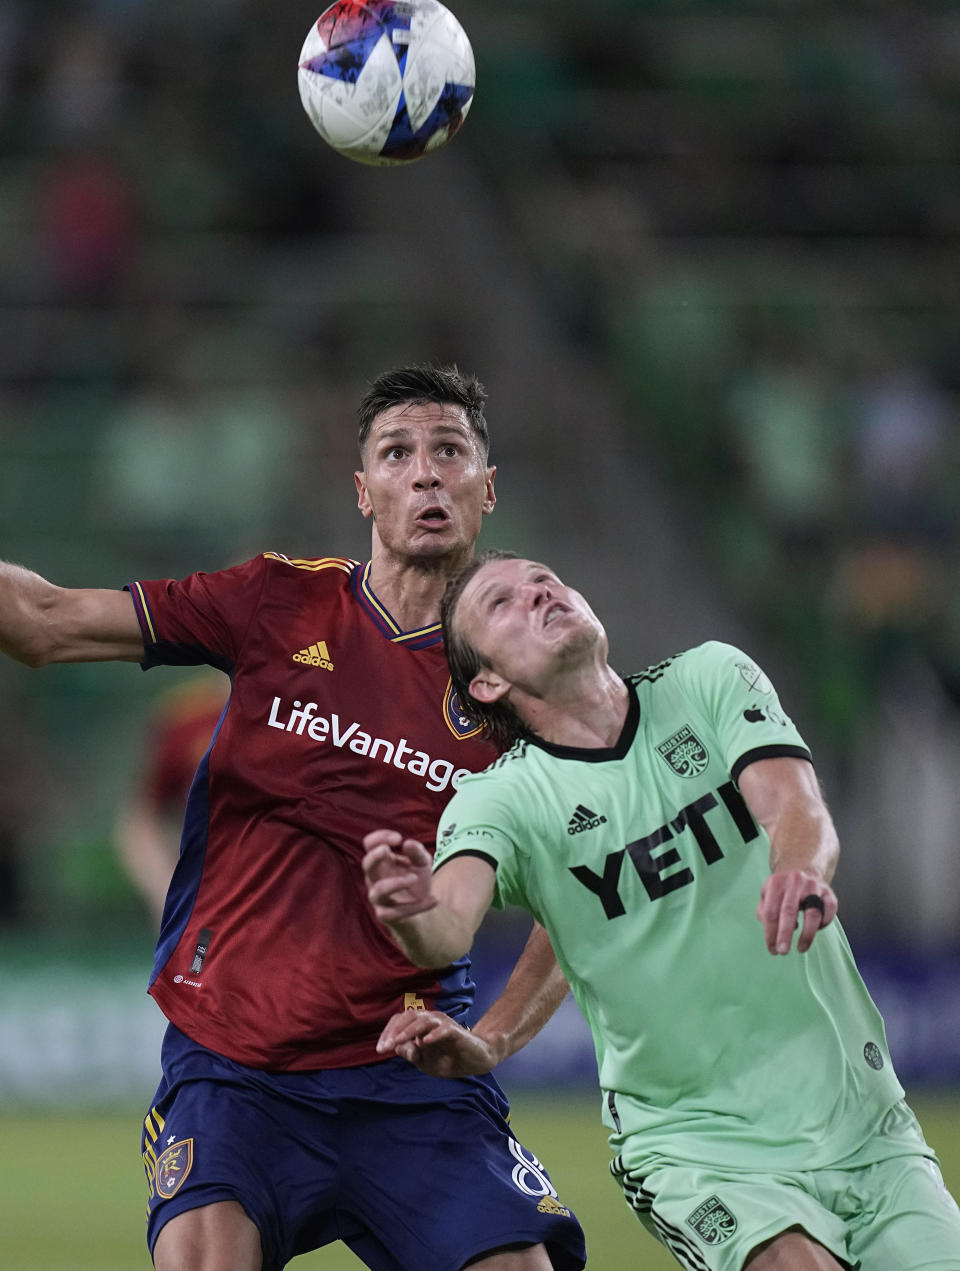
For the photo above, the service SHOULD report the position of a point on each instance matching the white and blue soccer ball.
(386, 81)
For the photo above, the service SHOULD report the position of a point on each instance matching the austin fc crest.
(685, 752)
(712, 1222)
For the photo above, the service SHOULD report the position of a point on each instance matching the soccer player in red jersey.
(278, 1126)
(147, 830)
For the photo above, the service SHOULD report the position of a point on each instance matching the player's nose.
(424, 471)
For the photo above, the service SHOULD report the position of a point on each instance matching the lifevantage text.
(302, 718)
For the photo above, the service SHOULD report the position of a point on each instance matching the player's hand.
(788, 896)
(436, 1044)
(398, 871)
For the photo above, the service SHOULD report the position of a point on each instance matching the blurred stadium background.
(703, 254)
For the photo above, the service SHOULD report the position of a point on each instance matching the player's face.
(425, 481)
(528, 625)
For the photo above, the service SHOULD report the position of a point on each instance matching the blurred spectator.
(87, 219)
(148, 826)
(888, 599)
(83, 78)
(24, 787)
(901, 440)
(11, 26)
(11, 848)
(786, 441)
(900, 801)
(199, 463)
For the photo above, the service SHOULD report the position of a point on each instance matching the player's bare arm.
(784, 796)
(439, 1046)
(434, 1043)
(432, 918)
(532, 994)
(41, 623)
(147, 850)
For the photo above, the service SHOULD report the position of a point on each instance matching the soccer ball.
(386, 81)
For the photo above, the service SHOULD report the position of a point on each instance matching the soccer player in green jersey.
(755, 1116)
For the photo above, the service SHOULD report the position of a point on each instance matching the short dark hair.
(500, 721)
(424, 382)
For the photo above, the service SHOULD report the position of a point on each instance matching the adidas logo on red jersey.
(316, 655)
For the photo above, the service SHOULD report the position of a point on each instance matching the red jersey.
(338, 723)
(182, 730)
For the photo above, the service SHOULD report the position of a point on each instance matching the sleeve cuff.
(769, 752)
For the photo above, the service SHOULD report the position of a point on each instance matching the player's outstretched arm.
(439, 1046)
(432, 918)
(41, 623)
(147, 850)
(532, 994)
(784, 796)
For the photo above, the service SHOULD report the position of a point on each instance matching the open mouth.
(555, 610)
(433, 516)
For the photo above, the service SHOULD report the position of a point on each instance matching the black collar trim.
(599, 754)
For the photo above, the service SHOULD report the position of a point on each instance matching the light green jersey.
(645, 866)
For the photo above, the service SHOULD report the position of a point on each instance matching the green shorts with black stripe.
(891, 1214)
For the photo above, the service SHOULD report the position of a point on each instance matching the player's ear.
(490, 498)
(488, 687)
(363, 499)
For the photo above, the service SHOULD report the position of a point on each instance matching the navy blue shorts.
(409, 1171)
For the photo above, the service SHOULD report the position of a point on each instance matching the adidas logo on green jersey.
(584, 819)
